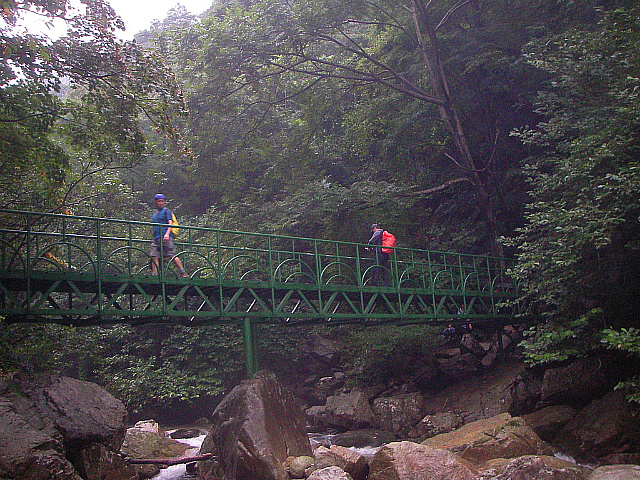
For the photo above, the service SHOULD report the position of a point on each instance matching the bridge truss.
(84, 271)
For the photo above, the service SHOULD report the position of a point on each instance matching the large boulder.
(300, 467)
(347, 459)
(577, 383)
(469, 344)
(525, 392)
(502, 436)
(330, 473)
(61, 428)
(348, 411)
(255, 428)
(321, 388)
(498, 466)
(495, 348)
(147, 426)
(481, 397)
(605, 426)
(412, 461)
(549, 420)
(620, 458)
(83, 412)
(321, 354)
(147, 440)
(432, 425)
(400, 413)
(97, 462)
(616, 472)
(461, 367)
(531, 467)
(28, 452)
(316, 417)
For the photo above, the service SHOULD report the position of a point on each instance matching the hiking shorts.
(168, 248)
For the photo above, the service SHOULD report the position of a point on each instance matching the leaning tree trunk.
(449, 114)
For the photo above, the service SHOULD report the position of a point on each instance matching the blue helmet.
(159, 196)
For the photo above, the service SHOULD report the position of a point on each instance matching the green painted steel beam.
(86, 270)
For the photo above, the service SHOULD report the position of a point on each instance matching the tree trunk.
(450, 117)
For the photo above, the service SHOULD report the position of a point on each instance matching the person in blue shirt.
(164, 234)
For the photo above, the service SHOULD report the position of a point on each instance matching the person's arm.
(168, 215)
(376, 238)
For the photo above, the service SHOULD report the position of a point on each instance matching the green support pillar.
(250, 348)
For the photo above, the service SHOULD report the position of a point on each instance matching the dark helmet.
(159, 196)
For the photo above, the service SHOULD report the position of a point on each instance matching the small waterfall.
(179, 472)
(326, 440)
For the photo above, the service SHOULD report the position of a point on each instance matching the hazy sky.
(138, 14)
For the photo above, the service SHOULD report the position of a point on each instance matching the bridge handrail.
(279, 249)
(215, 230)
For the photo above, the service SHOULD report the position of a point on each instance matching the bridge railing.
(98, 248)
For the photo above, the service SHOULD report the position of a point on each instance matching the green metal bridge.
(82, 271)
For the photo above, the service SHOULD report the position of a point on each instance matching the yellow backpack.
(173, 221)
(174, 225)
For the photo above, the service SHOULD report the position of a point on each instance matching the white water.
(327, 439)
(569, 458)
(179, 472)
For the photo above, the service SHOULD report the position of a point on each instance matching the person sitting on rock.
(450, 334)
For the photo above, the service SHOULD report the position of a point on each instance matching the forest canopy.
(509, 128)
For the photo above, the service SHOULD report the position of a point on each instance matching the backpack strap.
(169, 216)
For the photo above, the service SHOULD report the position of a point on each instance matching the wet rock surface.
(61, 428)
(605, 426)
(494, 421)
(532, 467)
(502, 436)
(255, 429)
(616, 472)
(408, 460)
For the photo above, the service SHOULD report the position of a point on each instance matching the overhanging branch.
(443, 186)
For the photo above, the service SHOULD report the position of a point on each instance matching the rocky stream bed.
(488, 422)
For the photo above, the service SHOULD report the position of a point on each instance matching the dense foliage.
(580, 256)
(70, 107)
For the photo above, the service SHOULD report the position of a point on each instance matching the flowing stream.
(179, 472)
(326, 440)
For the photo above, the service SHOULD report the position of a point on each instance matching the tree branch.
(429, 191)
(169, 461)
(26, 117)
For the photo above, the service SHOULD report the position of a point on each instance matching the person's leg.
(180, 267)
(377, 270)
(384, 269)
(154, 265)
(170, 251)
(154, 253)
